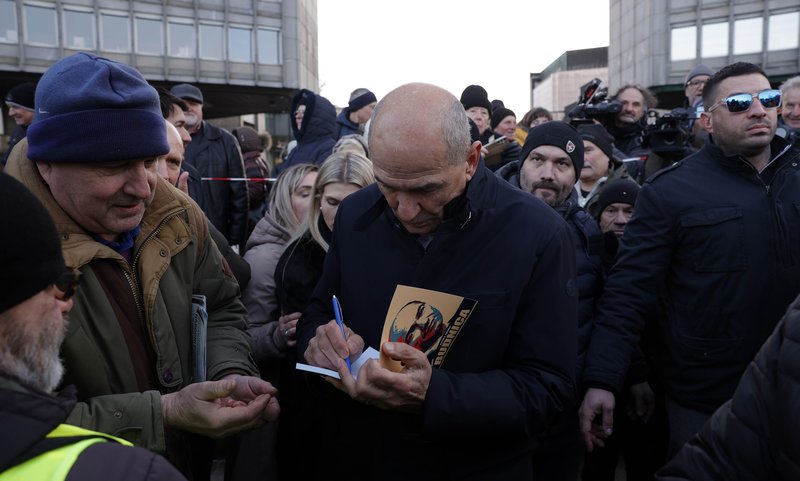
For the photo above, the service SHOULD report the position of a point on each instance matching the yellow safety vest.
(55, 465)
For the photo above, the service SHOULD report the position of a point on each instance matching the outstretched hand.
(221, 408)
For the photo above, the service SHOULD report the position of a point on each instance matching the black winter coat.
(509, 372)
(754, 435)
(588, 242)
(214, 153)
(724, 245)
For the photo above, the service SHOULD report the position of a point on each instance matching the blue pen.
(337, 311)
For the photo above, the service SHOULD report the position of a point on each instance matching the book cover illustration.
(425, 319)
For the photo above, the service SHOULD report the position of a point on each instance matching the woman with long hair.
(288, 206)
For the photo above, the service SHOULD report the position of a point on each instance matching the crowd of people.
(632, 303)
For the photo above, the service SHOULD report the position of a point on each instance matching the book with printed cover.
(427, 320)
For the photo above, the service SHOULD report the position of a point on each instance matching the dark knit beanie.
(361, 101)
(558, 134)
(497, 104)
(248, 138)
(599, 136)
(22, 96)
(619, 191)
(90, 109)
(475, 96)
(699, 70)
(31, 249)
(499, 114)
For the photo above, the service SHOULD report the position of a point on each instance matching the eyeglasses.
(769, 99)
(68, 283)
(694, 83)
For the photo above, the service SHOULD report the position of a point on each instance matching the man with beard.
(716, 239)
(627, 126)
(35, 295)
(550, 163)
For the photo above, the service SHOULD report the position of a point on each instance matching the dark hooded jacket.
(317, 135)
(345, 125)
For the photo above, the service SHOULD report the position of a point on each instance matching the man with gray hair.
(137, 349)
(438, 213)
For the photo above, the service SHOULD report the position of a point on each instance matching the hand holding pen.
(337, 311)
(331, 344)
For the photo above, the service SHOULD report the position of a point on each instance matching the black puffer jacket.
(754, 435)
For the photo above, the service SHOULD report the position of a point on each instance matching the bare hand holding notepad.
(370, 353)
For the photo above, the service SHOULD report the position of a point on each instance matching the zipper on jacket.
(135, 281)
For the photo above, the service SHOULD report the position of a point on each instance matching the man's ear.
(45, 170)
(705, 122)
(473, 158)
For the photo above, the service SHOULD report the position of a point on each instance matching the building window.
(212, 42)
(683, 43)
(40, 26)
(715, 40)
(747, 35)
(149, 36)
(783, 31)
(8, 22)
(239, 44)
(115, 32)
(181, 39)
(79, 29)
(269, 46)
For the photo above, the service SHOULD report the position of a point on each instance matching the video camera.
(669, 135)
(592, 104)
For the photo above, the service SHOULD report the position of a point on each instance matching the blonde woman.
(288, 206)
(300, 266)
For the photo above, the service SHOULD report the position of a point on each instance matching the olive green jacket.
(173, 259)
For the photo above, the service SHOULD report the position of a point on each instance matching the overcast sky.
(451, 43)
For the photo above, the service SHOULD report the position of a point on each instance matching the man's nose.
(138, 184)
(406, 207)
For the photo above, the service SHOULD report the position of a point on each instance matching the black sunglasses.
(68, 283)
(769, 99)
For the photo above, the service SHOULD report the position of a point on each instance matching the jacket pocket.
(714, 239)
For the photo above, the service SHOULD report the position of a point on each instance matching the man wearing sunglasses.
(716, 240)
(36, 292)
(134, 350)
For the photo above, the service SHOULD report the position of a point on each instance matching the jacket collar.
(778, 148)
(479, 194)
(29, 415)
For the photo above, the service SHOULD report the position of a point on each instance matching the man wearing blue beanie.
(138, 335)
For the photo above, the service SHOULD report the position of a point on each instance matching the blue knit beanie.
(91, 109)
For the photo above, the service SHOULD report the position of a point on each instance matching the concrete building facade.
(656, 43)
(247, 56)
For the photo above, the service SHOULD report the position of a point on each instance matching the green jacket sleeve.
(135, 417)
